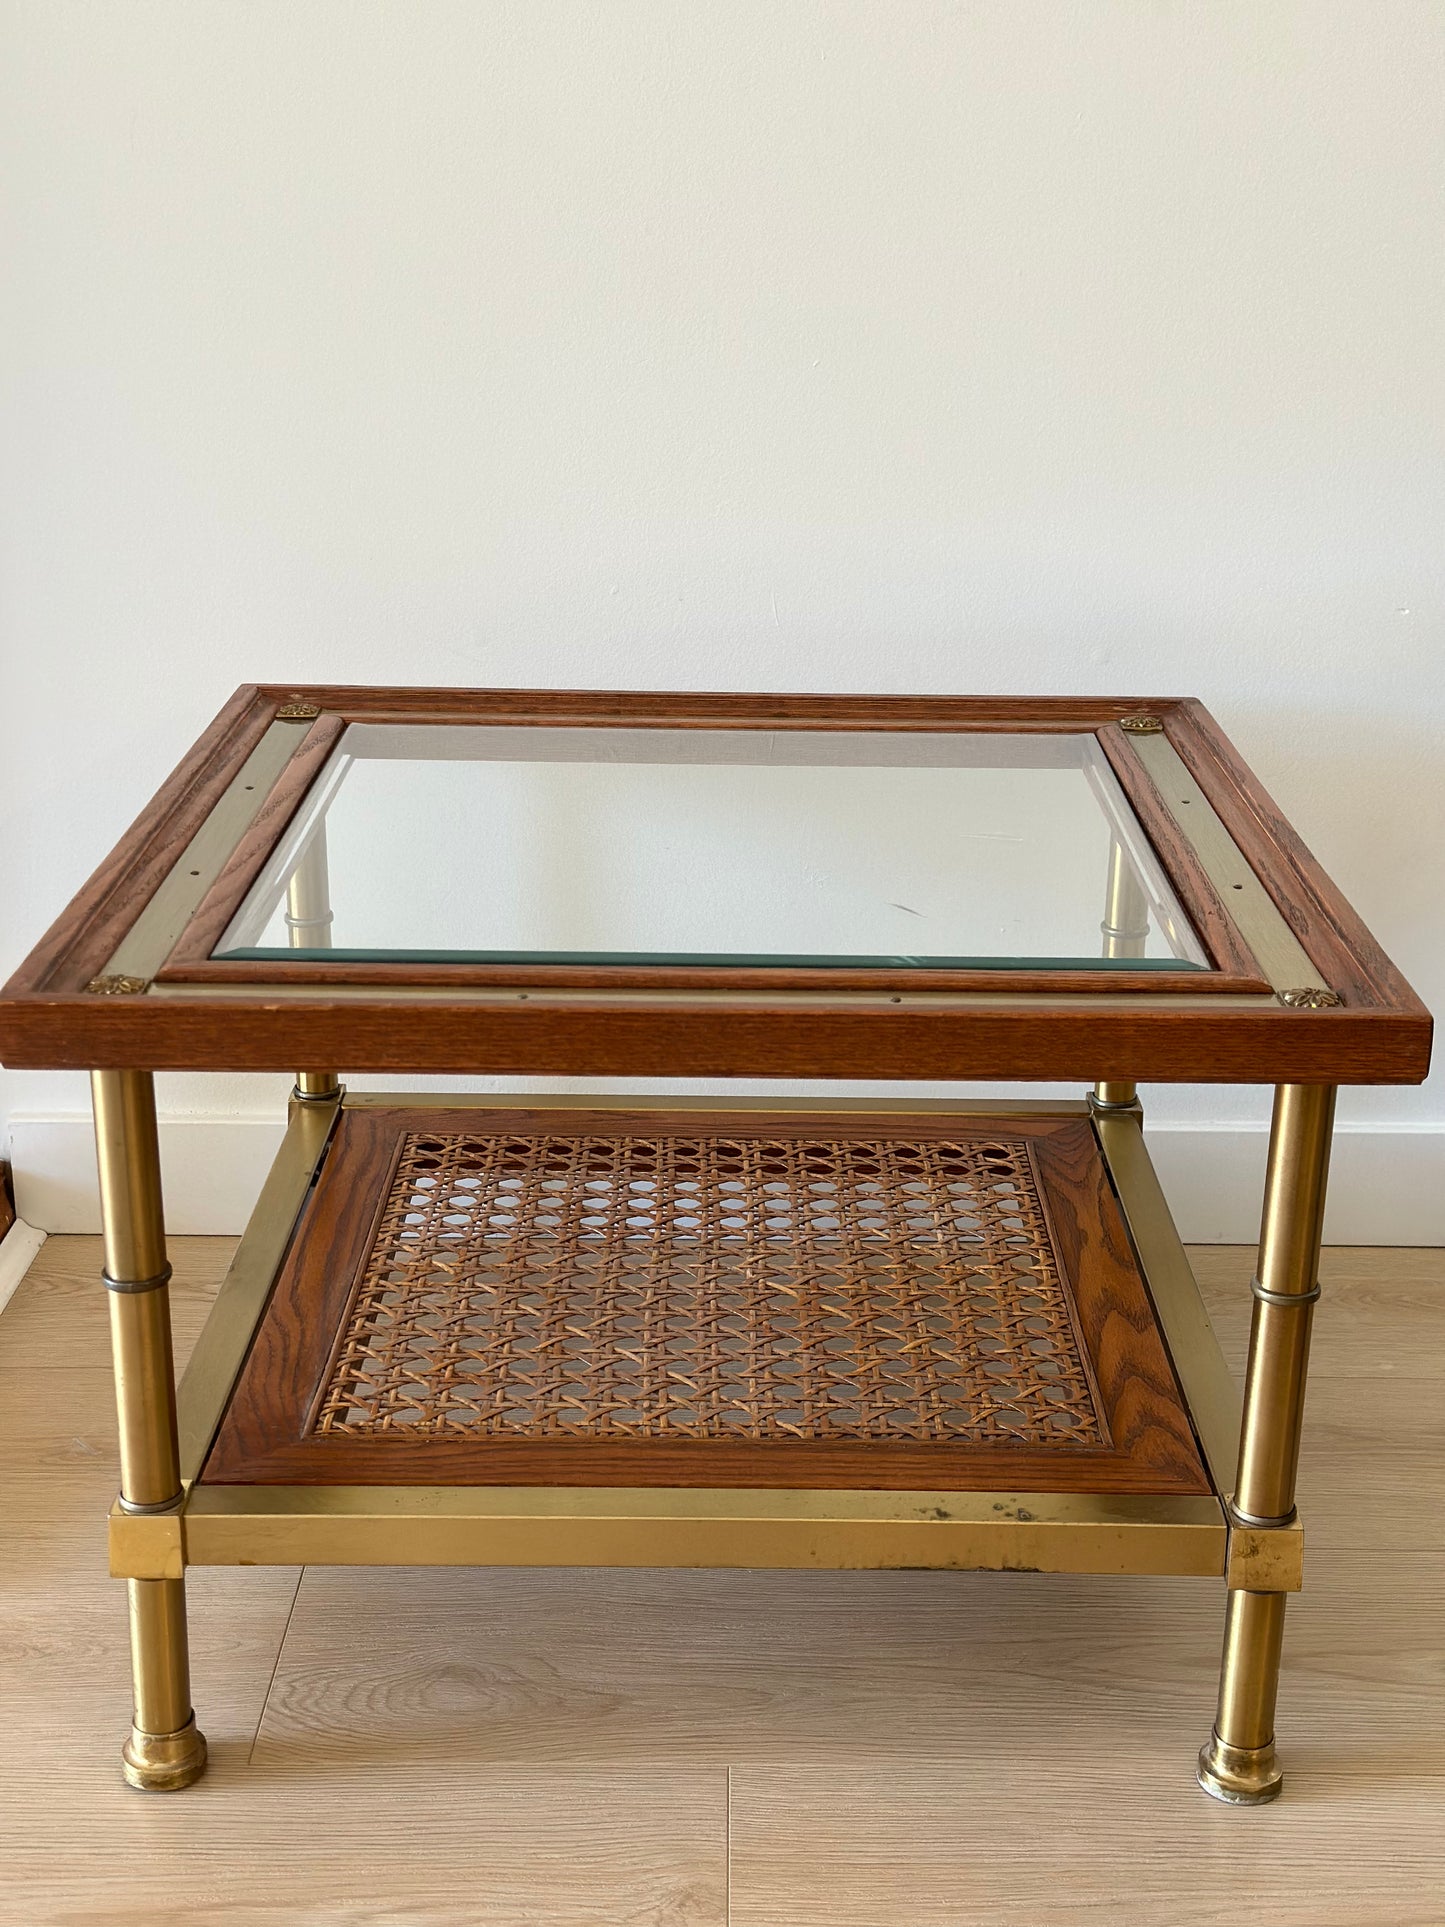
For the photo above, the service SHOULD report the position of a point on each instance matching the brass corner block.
(117, 986)
(1265, 1558)
(1142, 725)
(297, 712)
(1311, 998)
(146, 1545)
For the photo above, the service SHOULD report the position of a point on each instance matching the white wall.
(818, 344)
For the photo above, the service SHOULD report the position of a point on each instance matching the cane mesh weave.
(741, 1288)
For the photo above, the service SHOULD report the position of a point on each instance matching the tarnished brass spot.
(1264, 1558)
(1241, 1776)
(297, 712)
(117, 986)
(1311, 999)
(1142, 725)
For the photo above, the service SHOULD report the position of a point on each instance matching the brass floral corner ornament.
(1142, 725)
(297, 712)
(117, 986)
(1311, 999)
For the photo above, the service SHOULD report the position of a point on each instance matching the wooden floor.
(464, 1749)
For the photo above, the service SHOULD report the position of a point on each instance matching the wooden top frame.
(180, 1010)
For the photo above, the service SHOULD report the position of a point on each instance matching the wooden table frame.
(1297, 995)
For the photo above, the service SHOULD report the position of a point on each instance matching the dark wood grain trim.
(1226, 948)
(1212, 1042)
(264, 1436)
(184, 970)
(225, 896)
(692, 709)
(89, 930)
(1148, 1416)
(1330, 930)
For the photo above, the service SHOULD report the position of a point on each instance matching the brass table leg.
(1238, 1762)
(165, 1750)
(308, 926)
(1126, 934)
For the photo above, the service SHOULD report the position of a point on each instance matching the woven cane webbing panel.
(749, 1288)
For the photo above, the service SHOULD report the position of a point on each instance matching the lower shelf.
(613, 1298)
(861, 1335)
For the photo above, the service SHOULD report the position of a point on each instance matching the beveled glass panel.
(897, 849)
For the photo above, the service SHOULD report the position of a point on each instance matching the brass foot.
(164, 1762)
(1242, 1776)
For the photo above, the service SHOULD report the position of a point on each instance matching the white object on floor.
(17, 1253)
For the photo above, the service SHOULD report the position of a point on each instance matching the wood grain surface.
(542, 1036)
(265, 1437)
(682, 1749)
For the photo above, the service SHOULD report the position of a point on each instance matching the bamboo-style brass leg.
(308, 926)
(165, 1751)
(1238, 1762)
(1126, 934)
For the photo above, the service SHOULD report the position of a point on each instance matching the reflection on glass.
(722, 847)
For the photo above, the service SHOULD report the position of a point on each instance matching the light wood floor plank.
(1379, 1315)
(1115, 1837)
(447, 1848)
(500, 1667)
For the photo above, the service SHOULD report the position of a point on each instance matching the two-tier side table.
(712, 1331)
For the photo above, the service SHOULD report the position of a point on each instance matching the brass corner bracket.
(117, 986)
(1311, 998)
(1142, 725)
(147, 1545)
(297, 712)
(1264, 1558)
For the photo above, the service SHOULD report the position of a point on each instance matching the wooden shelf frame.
(382, 1524)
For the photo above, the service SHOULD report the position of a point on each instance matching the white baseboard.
(1387, 1184)
(212, 1168)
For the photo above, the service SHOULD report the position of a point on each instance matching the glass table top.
(717, 847)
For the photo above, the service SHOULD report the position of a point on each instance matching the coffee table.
(712, 1331)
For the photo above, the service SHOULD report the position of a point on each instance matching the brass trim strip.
(1208, 1385)
(157, 930)
(724, 999)
(586, 1526)
(226, 1337)
(1281, 957)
